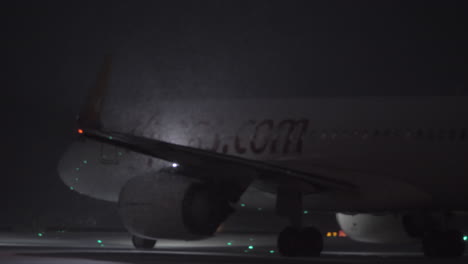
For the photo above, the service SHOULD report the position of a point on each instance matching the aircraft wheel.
(287, 241)
(444, 244)
(310, 242)
(307, 242)
(143, 243)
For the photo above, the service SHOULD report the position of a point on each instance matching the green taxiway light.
(272, 251)
(85, 161)
(71, 188)
(251, 247)
(465, 238)
(242, 204)
(306, 212)
(99, 241)
(39, 234)
(246, 251)
(77, 169)
(110, 137)
(229, 243)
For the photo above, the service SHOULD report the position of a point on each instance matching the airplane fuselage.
(405, 153)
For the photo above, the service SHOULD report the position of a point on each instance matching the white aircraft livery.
(394, 168)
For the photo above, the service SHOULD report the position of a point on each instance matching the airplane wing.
(213, 161)
(204, 160)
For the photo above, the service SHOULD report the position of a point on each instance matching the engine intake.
(167, 205)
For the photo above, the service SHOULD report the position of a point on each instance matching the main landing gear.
(304, 242)
(443, 244)
(295, 240)
(439, 239)
(143, 243)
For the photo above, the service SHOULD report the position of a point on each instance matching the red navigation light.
(80, 131)
(341, 233)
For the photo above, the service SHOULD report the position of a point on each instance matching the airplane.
(394, 168)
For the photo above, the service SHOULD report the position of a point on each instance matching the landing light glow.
(175, 165)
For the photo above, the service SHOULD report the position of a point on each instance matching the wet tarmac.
(115, 247)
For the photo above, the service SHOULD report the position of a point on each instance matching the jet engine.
(168, 205)
(384, 228)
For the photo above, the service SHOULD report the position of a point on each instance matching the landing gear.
(443, 244)
(287, 241)
(143, 243)
(305, 242)
(438, 239)
(295, 240)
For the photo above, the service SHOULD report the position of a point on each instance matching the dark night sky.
(52, 51)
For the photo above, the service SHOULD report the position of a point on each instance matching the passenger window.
(365, 134)
(463, 134)
(420, 133)
(452, 135)
(376, 133)
(345, 134)
(441, 135)
(356, 133)
(387, 132)
(430, 134)
(323, 135)
(408, 134)
(312, 134)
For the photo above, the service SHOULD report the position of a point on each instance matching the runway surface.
(106, 247)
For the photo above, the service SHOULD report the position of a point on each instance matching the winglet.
(90, 114)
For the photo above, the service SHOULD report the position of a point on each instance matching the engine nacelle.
(167, 205)
(387, 228)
